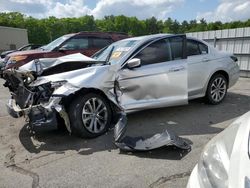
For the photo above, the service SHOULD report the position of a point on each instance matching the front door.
(160, 81)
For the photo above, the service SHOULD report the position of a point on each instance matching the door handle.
(205, 59)
(176, 69)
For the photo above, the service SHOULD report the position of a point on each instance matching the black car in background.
(23, 48)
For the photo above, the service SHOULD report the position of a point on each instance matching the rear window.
(192, 48)
(196, 48)
(203, 48)
(76, 44)
(100, 42)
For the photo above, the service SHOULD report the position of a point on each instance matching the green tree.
(47, 29)
(151, 25)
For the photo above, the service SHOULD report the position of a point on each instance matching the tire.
(60, 123)
(217, 89)
(90, 115)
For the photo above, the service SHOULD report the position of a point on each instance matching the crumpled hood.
(46, 63)
(100, 77)
(91, 75)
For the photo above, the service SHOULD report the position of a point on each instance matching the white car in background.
(225, 161)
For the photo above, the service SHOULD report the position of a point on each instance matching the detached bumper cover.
(127, 143)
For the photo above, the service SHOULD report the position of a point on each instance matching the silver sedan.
(135, 74)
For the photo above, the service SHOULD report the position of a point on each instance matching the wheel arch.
(207, 93)
(219, 71)
(222, 72)
(83, 91)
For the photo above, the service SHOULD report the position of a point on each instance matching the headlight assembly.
(212, 170)
(18, 58)
(214, 163)
(57, 84)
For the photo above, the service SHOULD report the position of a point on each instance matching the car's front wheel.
(90, 115)
(217, 89)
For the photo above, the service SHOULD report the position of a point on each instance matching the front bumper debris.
(45, 117)
(127, 143)
(42, 119)
(42, 116)
(13, 109)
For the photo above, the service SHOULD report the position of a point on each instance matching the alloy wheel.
(218, 89)
(94, 115)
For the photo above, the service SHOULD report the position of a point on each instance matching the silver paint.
(39, 65)
(149, 86)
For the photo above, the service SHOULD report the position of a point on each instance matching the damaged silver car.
(129, 75)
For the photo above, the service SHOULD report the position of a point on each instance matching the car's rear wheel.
(90, 115)
(217, 89)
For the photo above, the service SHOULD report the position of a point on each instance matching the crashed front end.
(32, 97)
(33, 102)
(41, 116)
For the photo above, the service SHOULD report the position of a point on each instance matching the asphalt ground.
(56, 159)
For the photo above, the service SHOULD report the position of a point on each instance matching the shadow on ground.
(196, 118)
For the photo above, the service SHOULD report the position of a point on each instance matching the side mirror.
(62, 49)
(133, 63)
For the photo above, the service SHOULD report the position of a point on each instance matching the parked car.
(23, 48)
(129, 75)
(86, 43)
(225, 160)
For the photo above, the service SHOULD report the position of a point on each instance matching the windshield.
(55, 43)
(115, 51)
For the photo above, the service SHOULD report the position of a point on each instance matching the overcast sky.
(211, 10)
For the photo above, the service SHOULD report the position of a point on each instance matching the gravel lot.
(56, 159)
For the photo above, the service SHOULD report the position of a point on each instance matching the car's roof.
(148, 37)
(102, 32)
(115, 36)
(99, 33)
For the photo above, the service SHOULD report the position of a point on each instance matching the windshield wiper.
(109, 55)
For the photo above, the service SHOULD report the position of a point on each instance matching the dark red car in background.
(86, 43)
(23, 48)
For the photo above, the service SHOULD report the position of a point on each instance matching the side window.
(196, 48)
(203, 48)
(26, 48)
(177, 44)
(76, 44)
(192, 48)
(100, 42)
(156, 52)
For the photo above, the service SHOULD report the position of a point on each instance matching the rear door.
(198, 66)
(161, 80)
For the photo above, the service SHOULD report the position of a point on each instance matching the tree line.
(42, 31)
